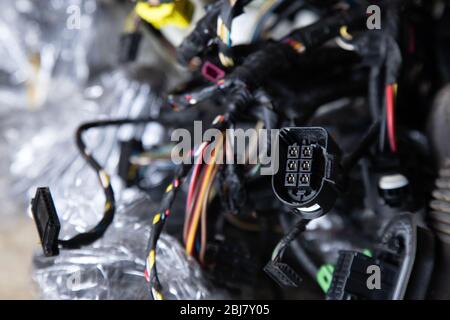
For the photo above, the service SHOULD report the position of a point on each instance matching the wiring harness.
(334, 91)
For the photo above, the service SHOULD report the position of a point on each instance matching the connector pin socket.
(304, 180)
(305, 166)
(307, 152)
(292, 166)
(291, 180)
(309, 174)
(293, 152)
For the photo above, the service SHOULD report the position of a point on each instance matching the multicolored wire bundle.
(198, 202)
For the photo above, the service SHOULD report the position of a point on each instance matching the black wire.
(97, 232)
(299, 252)
(383, 129)
(167, 201)
(352, 159)
(290, 10)
(374, 93)
(325, 29)
(293, 233)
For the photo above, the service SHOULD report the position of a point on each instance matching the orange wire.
(202, 192)
(391, 117)
(203, 217)
(189, 210)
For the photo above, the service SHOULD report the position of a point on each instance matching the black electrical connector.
(231, 263)
(198, 39)
(44, 211)
(47, 221)
(282, 274)
(129, 46)
(350, 278)
(309, 171)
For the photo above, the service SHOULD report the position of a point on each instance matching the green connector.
(324, 276)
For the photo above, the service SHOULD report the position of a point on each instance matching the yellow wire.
(202, 192)
(130, 22)
(345, 34)
(206, 199)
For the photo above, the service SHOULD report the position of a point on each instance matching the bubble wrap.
(38, 149)
(112, 268)
(48, 48)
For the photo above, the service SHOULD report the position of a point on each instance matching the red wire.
(193, 184)
(390, 113)
(195, 175)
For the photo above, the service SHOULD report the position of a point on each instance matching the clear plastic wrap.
(50, 84)
(44, 69)
(112, 268)
(41, 150)
(38, 149)
(49, 47)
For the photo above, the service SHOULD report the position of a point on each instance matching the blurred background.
(58, 67)
(18, 239)
(46, 63)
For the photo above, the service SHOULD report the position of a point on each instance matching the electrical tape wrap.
(228, 11)
(319, 32)
(198, 39)
(259, 65)
(218, 16)
(280, 56)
